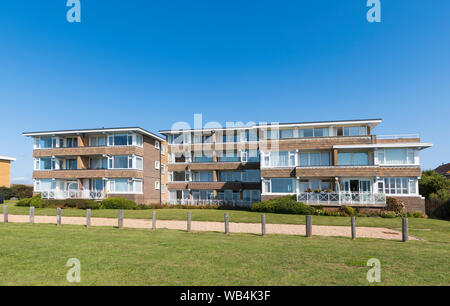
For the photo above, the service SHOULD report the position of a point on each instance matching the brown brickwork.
(363, 171)
(97, 173)
(83, 151)
(280, 172)
(165, 175)
(412, 204)
(398, 140)
(151, 174)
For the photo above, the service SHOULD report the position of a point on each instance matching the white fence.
(73, 194)
(336, 198)
(232, 203)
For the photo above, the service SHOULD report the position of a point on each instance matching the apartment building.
(5, 170)
(99, 163)
(330, 164)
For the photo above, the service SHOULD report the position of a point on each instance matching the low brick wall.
(413, 203)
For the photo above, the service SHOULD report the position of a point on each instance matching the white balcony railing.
(342, 198)
(233, 203)
(73, 194)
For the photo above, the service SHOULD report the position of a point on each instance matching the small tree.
(22, 191)
(431, 182)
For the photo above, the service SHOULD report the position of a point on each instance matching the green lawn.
(37, 254)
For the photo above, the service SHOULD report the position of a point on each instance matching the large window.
(71, 164)
(352, 131)
(279, 185)
(229, 157)
(97, 141)
(240, 176)
(252, 195)
(353, 159)
(125, 139)
(279, 159)
(400, 185)
(125, 162)
(396, 156)
(314, 159)
(316, 132)
(202, 176)
(203, 158)
(125, 186)
(287, 133)
(44, 185)
(45, 142)
(229, 195)
(203, 194)
(45, 163)
(99, 163)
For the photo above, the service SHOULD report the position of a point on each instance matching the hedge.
(118, 203)
(283, 205)
(68, 203)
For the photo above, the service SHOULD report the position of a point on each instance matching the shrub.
(395, 205)
(431, 182)
(415, 214)
(283, 205)
(388, 214)
(6, 193)
(118, 203)
(347, 211)
(24, 202)
(22, 191)
(37, 202)
(72, 203)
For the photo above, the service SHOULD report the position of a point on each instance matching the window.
(163, 168)
(279, 185)
(251, 176)
(125, 186)
(202, 194)
(316, 132)
(156, 164)
(71, 164)
(163, 188)
(45, 142)
(287, 133)
(163, 149)
(279, 159)
(99, 163)
(43, 163)
(125, 139)
(352, 131)
(314, 159)
(199, 158)
(157, 144)
(202, 176)
(353, 159)
(71, 142)
(400, 185)
(271, 134)
(157, 184)
(252, 195)
(97, 184)
(97, 141)
(229, 157)
(139, 163)
(396, 156)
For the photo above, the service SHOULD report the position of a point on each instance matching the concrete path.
(252, 228)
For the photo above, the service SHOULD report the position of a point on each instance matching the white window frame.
(157, 145)
(157, 164)
(157, 185)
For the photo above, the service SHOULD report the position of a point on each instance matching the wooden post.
(263, 224)
(308, 226)
(154, 220)
(404, 229)
(88, 217)
(5, 214)
(353, 223)
(31, 214)
(58, 216)
(227, 226)
(120, 221)
(189, 218)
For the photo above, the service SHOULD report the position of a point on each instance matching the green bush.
(395, 205)
(347, 211)
(24, 202)
(283, 205)
(72, 203)
(118, 203)
(22, 191)
(37, 202)
(415, 214)
(6, 193)
(388, 214)
(431, 182)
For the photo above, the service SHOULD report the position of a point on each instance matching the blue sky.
(151, 63)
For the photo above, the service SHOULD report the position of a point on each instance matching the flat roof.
(100, 130)
(372, 122)
(7, 158)
(419, 145)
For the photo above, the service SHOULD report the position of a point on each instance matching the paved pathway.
(252, 228)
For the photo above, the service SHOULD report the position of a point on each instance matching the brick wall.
(412, 203)
(151, 175)
(5, 166)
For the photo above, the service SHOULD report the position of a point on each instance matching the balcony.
(87, 173)
(89, 151)
(73, 194)
(343, 198)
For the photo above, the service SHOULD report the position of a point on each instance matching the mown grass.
(37, 255)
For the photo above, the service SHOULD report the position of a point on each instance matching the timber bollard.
(88, 217)
(404, 229)
(154, 220)
(120, 221)
(308, 220)
(31, 214)
(58, 216)
(189, 219)
(263, 224)
(353, 223)
(227, 225)
(5, 214)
